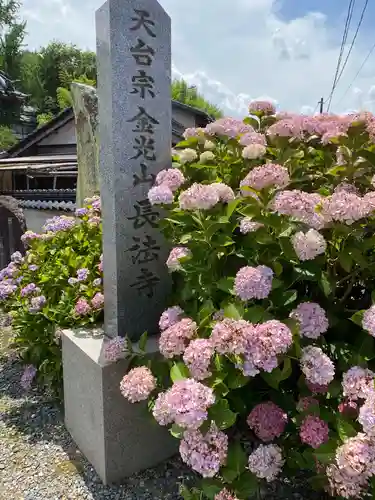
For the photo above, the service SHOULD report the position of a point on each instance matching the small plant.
(270, 335)
(57, 284)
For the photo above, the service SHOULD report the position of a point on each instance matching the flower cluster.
(314, 431)
(138, 384)
(177, 253)
(170, 317)
(311, 318)
(173, 340)
(308, 245)
(267, 420)
(266, 176)
(358, 383)
(316, 366)
(266, 462)
(197, 358)
(253, 282)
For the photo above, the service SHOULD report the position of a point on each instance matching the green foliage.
(51, 259)
(181, 92)
(7, 138)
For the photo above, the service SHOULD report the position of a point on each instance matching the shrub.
(56, 284)
(270, 335)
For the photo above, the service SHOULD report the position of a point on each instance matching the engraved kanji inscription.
(142, 53)
(145, 214)
(142, 19)
(143, 84)
(144, 122)
(144, 250)
(144, 146)
(144, 178)
(146, 282)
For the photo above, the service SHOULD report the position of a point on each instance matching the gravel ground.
(39, 461)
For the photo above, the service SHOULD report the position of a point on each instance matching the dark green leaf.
(143, 341)
(223, 416)
(231, 207)
(246, 485)
(325, 284)
(345, 429)
(326, 452)
(358, 317)
(233, 311)
(236, 460)
(346, 261)
(211, 487)
(254, 314)
(179, 371)
(236, 379)
(177, 431)
(226, 285)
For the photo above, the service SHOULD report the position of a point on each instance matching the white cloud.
(233, 51)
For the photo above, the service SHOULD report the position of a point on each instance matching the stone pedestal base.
(118, 438)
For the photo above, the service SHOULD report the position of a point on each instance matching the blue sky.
(239, 50)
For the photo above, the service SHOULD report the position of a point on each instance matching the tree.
(189, 95)
(7, 138)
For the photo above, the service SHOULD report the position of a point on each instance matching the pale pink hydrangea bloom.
(302, 206)
(209, 145)
(197, 357)
(346, 188)
(225, 495)
(266, 176)
(199, 197)
(173, 341)
(82, 307)
(367, 416)
(28, 376)
(265, 343)
(286, 128)
(177, 253)
(346, 207)
(172, 178)
(311, 318)
(193, 132)
(314, 431)
(267, 420)
(170, 317)
(160, 195)
(114, 349)
(204, 453)
(224, 192)
(264, 107)
(187, 155)
(306, 402)
(358, 383)
(316, 366)
(229, 336)
(229, 127)
(138, 384)
(253, 282)
(343, 485)
(97, 301)
(206, 156)
(253, 151)
(368, 321)
(248, 226)
(266, 462)
(253, 138)
(357, 456)
(100, 265)
(185, 404)
(308, 245)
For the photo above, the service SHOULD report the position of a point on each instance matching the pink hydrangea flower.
(367, 416)
(171, 178)
(266, 462)
(197, 358)
(311, 318)
(199, 197)
(82, 307)
(357, 456)
(160, 195)
(301, 206)
(28, 376)
(229, 127)
(343, 485)
(314, 431)
(177, 253)
(247, 225)
(266, 176)
(97, 301)
(229, 336)
(368, 321)
(225, 495)
(306, 402)
(100, 265)
(185, 404)
(308, 245)
(344, 206)
(267, 420)
(173, 341)
(358, 383)
(253, 151)
(204, 453)
(114, 349)
(224, 192)
(253, 138)
(253, 282)
(262, 107)
(316, 366)
(138, 384)
(170, 317)
(317, 388)
(193, 132)
(348, 408)
(267, 341)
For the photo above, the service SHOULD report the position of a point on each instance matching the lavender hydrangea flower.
(6, 289)
(59, 223)
(16, 257)
(72, 281)
(33, 267)
(253, 282)
(82, 274)
(37, 303)
(28, 376)
(97, 282)
(81, 212)
(97, 301)
(29, 289)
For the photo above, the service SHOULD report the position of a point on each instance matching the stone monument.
(134, 72)
(85, 106)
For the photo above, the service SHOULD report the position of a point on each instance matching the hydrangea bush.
(269, 339)
(56, 284)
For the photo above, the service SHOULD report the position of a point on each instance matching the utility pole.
(321, 104)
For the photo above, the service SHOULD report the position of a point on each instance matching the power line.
(343, 42)
(351, 47)
(357, 74)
